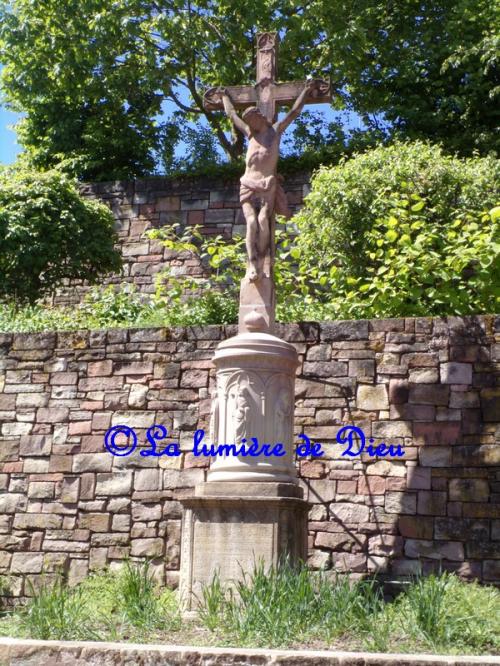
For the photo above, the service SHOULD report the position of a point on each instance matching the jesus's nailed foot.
(253, 274)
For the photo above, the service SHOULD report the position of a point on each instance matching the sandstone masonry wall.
(431, 385)
(141, 205)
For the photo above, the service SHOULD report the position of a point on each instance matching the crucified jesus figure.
(261, 193)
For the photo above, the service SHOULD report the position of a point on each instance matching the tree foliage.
(49, 233)
(404, 230)
(430, 68)
(397, 231)
(91, 75)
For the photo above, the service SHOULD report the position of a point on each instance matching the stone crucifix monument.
(251, 507)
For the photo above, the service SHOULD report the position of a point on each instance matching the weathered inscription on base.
(230, 547)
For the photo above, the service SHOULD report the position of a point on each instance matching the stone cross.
(252, 508)
(266, 94)
(261, 193)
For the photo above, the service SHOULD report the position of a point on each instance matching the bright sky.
(8, 146)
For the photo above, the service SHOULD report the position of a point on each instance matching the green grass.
(286, 605)
(282, 607)
(125, 605)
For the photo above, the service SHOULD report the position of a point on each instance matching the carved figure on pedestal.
(261, 193)
(242, 414)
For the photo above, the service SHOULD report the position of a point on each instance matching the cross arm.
(287, 93)
(311, 93)
(241, 96)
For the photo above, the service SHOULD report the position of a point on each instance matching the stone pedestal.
(228, 531)
(251, 508)
(255, 399)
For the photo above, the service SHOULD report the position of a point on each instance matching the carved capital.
(267, 40)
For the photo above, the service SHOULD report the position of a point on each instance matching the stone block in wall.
(37, 521)
(416, 527)
(419, 478)
(167, 204)
(455, 373)
(321, 491)
(41, 490)
(490, 404)
(371, 485)
(398, 391)
(147, 547)
(194, 204)
(349, 562)
(15, 429)
(386, 468)
(431, 503)
(424, 394)
(391, 429)
(142, 511)
(319, 560)
(480, 510)
(349, 513)
(435, 456)
(491, 570)
(424, 376)
(476, 456)
(77, 571)
(401, 503)
(434, 550)
(147, 479)
(461, 529)
(100, 368)
(117, 483)
(95, 522)
(134, 419)
(12, 502)
(469, 490)
(26, 563)
(121, 523)
(386, 544)
(92, 462)
(9, 449)
(344, 330)
(52, 415)
(173, 542)
(370, 398)
(338, 541)
(219, 216)
(64, 546)
(362, 369)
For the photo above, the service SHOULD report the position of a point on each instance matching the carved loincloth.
(253, 187)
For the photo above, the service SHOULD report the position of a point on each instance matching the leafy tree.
(404, 230)
(49, 233)
(430, 68)
(91, 75)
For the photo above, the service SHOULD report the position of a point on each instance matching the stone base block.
(229, 534)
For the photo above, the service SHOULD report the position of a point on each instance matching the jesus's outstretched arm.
(231, 113)
(309, 88)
